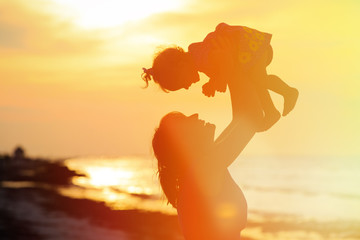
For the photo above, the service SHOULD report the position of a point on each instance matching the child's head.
(172, 69)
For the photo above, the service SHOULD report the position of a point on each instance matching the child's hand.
(220, 85)
(208, 89)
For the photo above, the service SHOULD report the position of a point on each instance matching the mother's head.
(178, 141)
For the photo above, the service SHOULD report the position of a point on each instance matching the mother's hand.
(247, 117)
(244, 99)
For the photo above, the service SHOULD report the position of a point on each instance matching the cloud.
(33, 30)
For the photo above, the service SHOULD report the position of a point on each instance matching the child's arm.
(220, 66)
(214, 84)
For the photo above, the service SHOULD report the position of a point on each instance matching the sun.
(92, 14)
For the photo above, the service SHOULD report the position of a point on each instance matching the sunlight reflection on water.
(122, 183)
(309, 188)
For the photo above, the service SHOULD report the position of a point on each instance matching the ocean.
(293, 198)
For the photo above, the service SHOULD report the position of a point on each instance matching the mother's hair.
(166, 152)
(174, 144)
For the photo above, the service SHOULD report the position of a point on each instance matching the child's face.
(190, 78)
(188, 74)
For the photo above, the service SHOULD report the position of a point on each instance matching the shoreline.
(33, 206)
(44, 214)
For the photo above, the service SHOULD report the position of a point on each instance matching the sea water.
(288, 197)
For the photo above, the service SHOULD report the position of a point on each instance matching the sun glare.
(110, 13)
(103, 177)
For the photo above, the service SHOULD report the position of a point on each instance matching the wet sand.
(43, 214)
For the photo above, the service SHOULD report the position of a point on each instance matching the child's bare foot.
(290, 101)
(269, 120)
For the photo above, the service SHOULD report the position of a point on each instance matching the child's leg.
(259, 78)
(272, 115)
(290, 94)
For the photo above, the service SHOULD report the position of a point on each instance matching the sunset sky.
(70, 71)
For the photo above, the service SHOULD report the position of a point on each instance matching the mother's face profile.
(180, 136)
(177, 143)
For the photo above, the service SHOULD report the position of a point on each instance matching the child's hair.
(165, 69)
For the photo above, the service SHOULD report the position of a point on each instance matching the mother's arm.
(246, 116)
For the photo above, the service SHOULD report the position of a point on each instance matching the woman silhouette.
(192, 166)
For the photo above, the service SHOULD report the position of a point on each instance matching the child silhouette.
(228, 47)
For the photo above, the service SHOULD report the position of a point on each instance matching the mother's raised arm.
(246, 117)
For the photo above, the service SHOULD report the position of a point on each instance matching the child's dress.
(247, 46)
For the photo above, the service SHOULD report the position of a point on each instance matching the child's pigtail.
(146, 75)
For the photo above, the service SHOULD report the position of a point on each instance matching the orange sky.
(70, 76)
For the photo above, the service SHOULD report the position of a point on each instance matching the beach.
(35, 213)
(127, 204)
